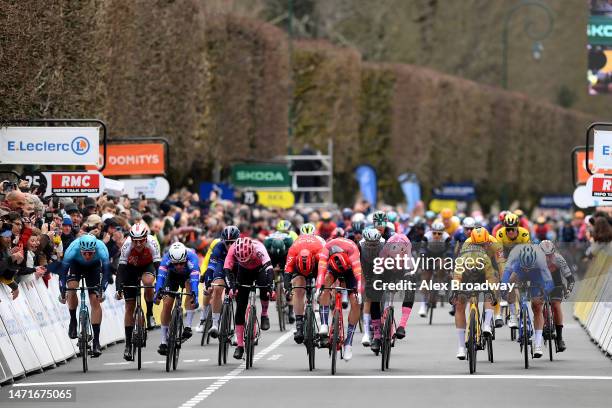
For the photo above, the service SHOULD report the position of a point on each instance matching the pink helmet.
(244, 249)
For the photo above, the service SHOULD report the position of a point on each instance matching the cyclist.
(450, 221)
(252, 262)
(301, 267)
(463, 233)
(393, 218)
(326, 227)
(370, 247)
(212, 269)
(355, 232)
(179, 267)
(558, 268)
(527, 262)
(339, 258)
(511, 233)
(86, 256)
(434, 247)
(480, 236)
(285, 227)
(310, 229)
(379, 220)
(399, 244)
(140, 257)
(472, 266)
(500, 224)
(347, 214)
(277, 244)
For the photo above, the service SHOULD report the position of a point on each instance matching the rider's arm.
(69, 256)
(162, 274)
(290, 259)
(322, 269)
(106, 265)
(194, 273)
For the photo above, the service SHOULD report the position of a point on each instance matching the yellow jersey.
(494, 249)
(204, 264)
(522, 238)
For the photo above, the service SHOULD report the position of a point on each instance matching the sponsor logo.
(243, 175)
(79, 146)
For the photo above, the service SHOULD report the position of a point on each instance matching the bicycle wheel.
(431, 309)
(138, 335)
(249, 338)
(309, 328)
(490, 348)
(171, 343)
(386, 339)
(280, 304)
(335, 341)
(548, 321)
(525, 337)
(472, 342)
(179, 336)
(83, 340)
(207, 326)
(223, 335)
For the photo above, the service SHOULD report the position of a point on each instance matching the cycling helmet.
(138, 232)
(338, 232)
(358, 217)
(230, 233)
(371, 235)
(88, 243)
(479, 235)
(278, 247)
(527, 257)
(446, 213)
(244, 249)
(307, 229)
(511, 220)
(177, 253)
(430, 215)
(469, 222)
(547, 247)
(339, 261)
(347, 213)
(391, 216)
(437, 226)
(379, 219)
(305, 262)
(283, 226)
(391, 226)
(502, 216)
(357, 227)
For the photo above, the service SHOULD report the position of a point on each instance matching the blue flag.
(366, 176)
(411, 188)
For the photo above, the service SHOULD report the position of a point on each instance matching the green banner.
(260, 175)
(599, 30)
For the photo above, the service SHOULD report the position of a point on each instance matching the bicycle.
(226, 328)
(311, 328)
(435, 295)
(207, 325)
(251, 331)
(85, 329)
(139, 333)
(281, 301)
(388, 333)
(336, 330)
(175, 330)
(525, 326)
(550, 333)
(474, 339)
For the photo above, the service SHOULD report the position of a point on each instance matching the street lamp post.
(537, 35)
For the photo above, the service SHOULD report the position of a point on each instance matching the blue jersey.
(539, 276)
(216, 261)
(74, 258)
(191, 271)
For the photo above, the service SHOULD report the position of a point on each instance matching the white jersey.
(150, 253)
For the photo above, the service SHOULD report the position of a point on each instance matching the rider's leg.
(367, 321)
(128, 319)
(189, 307)
(425, 276)
(217, 300)
(538, 320)
(460, 323)
(324, 300)
(71, 301)
(96, 316)
(558, 318)
(168, 303)
(376, 312)
(353, 319)
(407, 307)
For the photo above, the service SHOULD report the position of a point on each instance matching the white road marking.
(188, 361)
(202, 360)
(120, 363)
(274, 357)
(232, 376)
(206, 392)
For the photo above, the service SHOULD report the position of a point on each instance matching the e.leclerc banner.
(133, 159)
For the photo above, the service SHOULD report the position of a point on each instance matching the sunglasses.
(436, 233)
(89, 253)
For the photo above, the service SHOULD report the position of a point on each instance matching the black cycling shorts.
(133, 275)
(92, 274)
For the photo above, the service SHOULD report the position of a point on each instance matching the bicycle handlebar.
(339, 288)
(253, 287)
(138, 286)
(83, 288)
(176, 293)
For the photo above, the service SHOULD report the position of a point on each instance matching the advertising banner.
(411, 189)
(132, 159)
(156, 188)
(278, 199)
(366, 177)
(70, 184)
(602, 149)
(260, 175)
(49, 145)
(599, 47)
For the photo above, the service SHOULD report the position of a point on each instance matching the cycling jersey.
(74, 259)
(212, 265)
(557, 263)
(352, 251)
(259, 258)
(191, 271)
(474, 260)
(452, 227)
(435, 247)
(522, 238)
(538, 275)
(278, 260)
(312, 243)
(494, 249)
(131, 255)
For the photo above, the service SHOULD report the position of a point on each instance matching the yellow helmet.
(446, 213)
(511, 220)
(479, 235)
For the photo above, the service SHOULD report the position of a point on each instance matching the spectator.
(9, 259)
(13, 201)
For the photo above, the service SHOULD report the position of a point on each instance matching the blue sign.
(227, 191)
(366, 177)
(411, 188)
(456, 191)
(556, 201)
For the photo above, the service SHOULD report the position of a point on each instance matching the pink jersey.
(260, 256)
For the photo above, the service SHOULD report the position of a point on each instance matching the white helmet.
(358, 217)
(391, 226)
(177, 253)
(469, 222)
(138, 231)
(437, 226)
(547, 247)
(371, 235)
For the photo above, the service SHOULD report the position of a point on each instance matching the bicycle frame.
(311, 333)
(86, 332)
(139, 332)
(175, 330)
(252, 331)
(225, 329)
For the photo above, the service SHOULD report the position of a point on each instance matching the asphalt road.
(424, 371)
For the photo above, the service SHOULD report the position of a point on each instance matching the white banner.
(49, 145)
(602, 150)
(157, 188)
